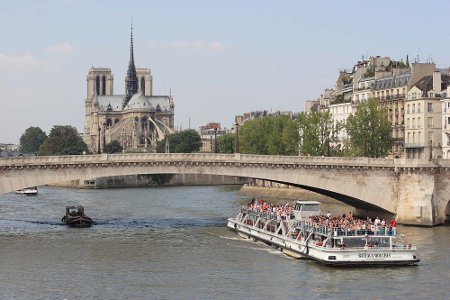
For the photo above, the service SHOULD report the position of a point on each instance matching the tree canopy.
(369, 130)
(114, 147)
(318, 133)
(269, 136)
(186, 141)
(63, 140)
(32, 139)
(226, 143)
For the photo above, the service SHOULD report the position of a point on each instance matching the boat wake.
(160, 223)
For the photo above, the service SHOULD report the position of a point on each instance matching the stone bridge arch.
(395, 186)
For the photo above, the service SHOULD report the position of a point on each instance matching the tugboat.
(75, 217)
(302, 231)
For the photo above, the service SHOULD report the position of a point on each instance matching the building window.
(430, 107)
(407, 109)
(414, 123)
(408, 123)
(413, 108)
(97, 85)
(103, 85)
(419, 123)
(418, 107)
(407, 140)
(143, 85)
(430, 122)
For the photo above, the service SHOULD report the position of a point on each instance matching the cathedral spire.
(131, 83)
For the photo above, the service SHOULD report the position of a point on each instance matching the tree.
(226, 143)
(269, 136)
(114, 147)
(32, 139)
(318, 133)
(186, 141)
(369, 130)
(63, 140)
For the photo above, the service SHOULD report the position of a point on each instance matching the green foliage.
(318, 133)
(269, 136)
(63, 140)
(226, 143)
(346, 79)
(32, 139)
(338, 99)
(370, 72)
(186, 141)
(369, 130)
(114, 147)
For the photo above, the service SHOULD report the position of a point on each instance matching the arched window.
(143, 85)
(108, 122)
(97, 85)
(103, 85)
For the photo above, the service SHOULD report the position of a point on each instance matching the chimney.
(437, 81)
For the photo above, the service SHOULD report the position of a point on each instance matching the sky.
(217, 58)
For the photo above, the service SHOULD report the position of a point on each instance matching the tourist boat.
(75, 217)
(30, 191)
(298, 235)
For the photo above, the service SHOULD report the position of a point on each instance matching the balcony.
(414, 145)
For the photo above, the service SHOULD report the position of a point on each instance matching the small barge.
(75, 217)
(301, 232)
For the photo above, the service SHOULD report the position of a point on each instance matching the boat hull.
(78, 222)
(27, 192)
(328, 256)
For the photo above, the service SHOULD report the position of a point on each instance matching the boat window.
(310, 207)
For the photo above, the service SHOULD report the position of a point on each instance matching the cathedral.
(137, 120)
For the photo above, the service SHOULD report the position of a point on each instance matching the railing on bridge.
(198, 157)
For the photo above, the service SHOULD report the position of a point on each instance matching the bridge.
(417, 192)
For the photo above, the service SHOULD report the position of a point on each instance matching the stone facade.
(137, 120)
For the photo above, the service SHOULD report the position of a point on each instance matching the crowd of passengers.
(345, 222)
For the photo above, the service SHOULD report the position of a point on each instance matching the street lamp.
(215, 140)
(236, 150)
(104, 137)
(98, 145)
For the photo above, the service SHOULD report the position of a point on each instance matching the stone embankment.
(148, 180)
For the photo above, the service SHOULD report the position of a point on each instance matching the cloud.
(199, 45)
(63, 48)
(26, 60)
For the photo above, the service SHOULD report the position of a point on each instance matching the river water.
(172, 243)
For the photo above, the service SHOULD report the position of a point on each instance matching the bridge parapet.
(247, 158)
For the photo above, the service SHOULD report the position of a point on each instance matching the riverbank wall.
(148, 180)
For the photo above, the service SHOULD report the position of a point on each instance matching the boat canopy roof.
(74, 207)
(307, 202)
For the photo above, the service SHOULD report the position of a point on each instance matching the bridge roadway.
(416, 191)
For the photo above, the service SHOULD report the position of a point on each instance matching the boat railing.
(322, 229)
(268, 215)
(344, 231)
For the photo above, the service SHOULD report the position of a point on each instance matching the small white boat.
(30, 191)
(301, 232)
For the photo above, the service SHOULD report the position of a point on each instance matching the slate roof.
(390, 81)
(138, 101)
(426, 83)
